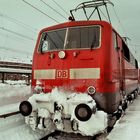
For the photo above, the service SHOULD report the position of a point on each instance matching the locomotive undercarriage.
(70, 113)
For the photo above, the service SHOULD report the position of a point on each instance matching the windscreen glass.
(70, 38)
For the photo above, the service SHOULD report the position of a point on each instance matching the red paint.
(116, 73)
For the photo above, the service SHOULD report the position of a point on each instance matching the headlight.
(83, 112)
(25, 108)
(91, 90)
(62, 54)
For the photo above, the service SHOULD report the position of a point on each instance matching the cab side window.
(126, 52)
(136, 64)
(115, 43)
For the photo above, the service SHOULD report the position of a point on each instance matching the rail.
(9, 114)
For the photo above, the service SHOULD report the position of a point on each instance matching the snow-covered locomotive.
(82, 72)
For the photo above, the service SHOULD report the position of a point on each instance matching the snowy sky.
(20, 23)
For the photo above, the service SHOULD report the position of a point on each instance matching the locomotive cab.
(76, 56)
(70, 51)
(70, 38)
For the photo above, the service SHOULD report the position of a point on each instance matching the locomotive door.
(121, 65)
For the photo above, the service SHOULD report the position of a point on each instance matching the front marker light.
(62, 54)
(91, 90)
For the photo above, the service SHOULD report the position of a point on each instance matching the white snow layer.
(97, 122)
(128, 128)
(14, 128)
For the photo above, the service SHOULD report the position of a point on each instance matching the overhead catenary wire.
(136, 45)
(61, 8)
(53, 9)
(16, 33)
(40, 11)
(14, 50)
(119, 21)
(16, 39)
(123, 29)
(18, 22)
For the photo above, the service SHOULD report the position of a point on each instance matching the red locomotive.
(87, 57)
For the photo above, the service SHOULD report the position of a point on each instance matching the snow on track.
(128, 128)
(11, 122)
(14, 127)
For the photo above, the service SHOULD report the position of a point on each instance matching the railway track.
(12, 126)
(9, 114)
(15, 119)
(71, 136)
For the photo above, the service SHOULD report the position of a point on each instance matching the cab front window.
(83, 37)
(52, 40)
(70, 38)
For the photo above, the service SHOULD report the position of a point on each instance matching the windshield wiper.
(43, 39)
(93, 42)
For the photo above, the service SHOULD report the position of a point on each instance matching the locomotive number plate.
(61, 73)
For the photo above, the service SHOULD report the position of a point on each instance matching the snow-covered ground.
(13, 92)
(128, 128)
(14, 127)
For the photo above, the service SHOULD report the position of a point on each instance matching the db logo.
(62, 74)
